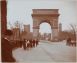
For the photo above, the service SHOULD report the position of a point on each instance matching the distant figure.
(36, 42)
(20, 43)
(6, 47)
(28, 44)
(73, 43)
(68, 41)
(33, 43)
(24, 44)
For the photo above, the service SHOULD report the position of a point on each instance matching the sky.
(21, 10)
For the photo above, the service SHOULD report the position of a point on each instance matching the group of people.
(7, 47)
(71, 42)
(27, 44)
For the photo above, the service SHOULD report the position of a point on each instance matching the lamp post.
(76, 35)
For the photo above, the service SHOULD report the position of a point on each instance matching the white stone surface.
(47, 52)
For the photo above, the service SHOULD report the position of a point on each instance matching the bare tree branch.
(74, 29)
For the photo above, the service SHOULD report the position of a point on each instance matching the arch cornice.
(53, 15)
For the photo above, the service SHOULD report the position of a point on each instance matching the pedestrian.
(24, 45)
(20, 43)
(33, 43)
(36, 42)
(28, 44)
(69, 41)
(6, 47)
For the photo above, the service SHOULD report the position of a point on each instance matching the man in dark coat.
(6, 48)
(36, 42)
(24, 44)
(69, 41)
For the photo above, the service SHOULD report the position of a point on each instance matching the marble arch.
(45, 15)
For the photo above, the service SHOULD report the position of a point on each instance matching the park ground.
(46, 52)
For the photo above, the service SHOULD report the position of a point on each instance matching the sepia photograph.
(38, 31)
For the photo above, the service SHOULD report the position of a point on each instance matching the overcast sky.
(21, 10)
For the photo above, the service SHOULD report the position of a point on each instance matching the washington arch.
(45, 15)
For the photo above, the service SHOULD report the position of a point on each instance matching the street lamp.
(76, 35)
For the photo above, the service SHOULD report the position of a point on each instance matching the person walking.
(28, 44)
(33, 43)
(69, 41)
(36, 42)
(24, 44)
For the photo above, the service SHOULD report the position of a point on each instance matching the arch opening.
(45, 32)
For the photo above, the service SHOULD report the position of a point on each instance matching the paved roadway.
(46, 52)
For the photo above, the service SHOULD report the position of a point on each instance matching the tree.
(74, 31)
(17, 25)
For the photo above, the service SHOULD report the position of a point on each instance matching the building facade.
(26, 34)
(27, 28)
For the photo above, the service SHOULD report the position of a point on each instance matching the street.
(46, 52)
